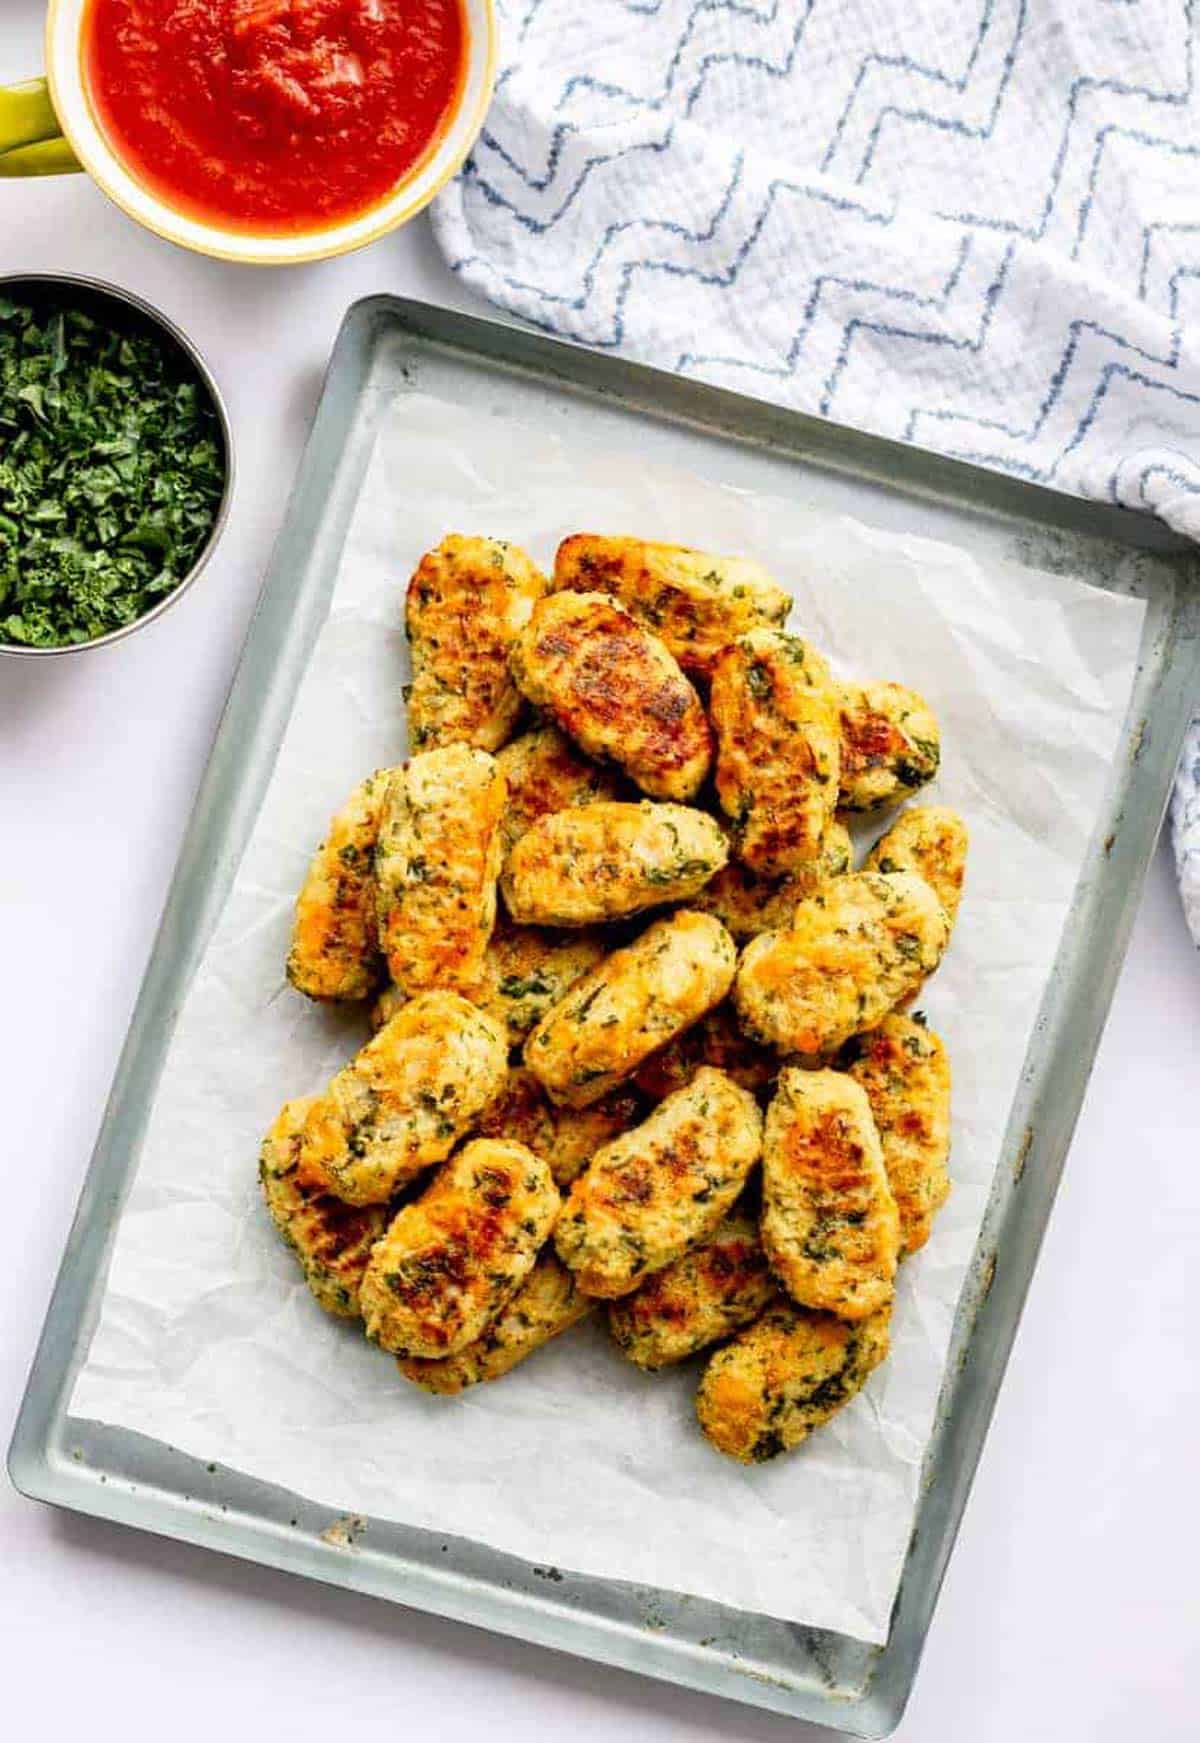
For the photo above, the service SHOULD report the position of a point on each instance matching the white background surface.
(1069, 1611)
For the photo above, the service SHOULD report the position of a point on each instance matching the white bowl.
(64, 71)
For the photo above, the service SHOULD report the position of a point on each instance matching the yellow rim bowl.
(64, 72)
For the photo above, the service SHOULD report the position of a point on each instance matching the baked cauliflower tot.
(452, 1260)
(717, 1040)
(335, 951)
(548, 1303)
(437, 864)
(830, 1226)
(904, 1070)
(616, 690)
(696, 603)
(930, 841)
(580, 1132)
(466, 601)
(696, 1300)
(520, 1114)
(404, 1100)
(890, 741)
(634, 1001)
(747, 903)
(609, 861)
(773, 707)
(331, 1240)
(568, 1138)
(525, 971)
(783, 1376)
(852, 953)
(652, 1194)
(544, 773)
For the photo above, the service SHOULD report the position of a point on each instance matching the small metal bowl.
(122, 301)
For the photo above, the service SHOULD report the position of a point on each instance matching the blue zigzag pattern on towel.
(1111, 371)
(886, 330)
(565, 130)
(1161, 469)
(1046, 474)
(723, 277)
(726, 276)
(722, 57)
(1057, 381)
(1181, 272)
(1169, 146)
(902, 63)
(1078, 89)
(1148, 235)
(698, 360)
(618, 227)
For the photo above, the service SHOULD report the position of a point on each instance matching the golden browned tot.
(636, 1000)
(658, 1190)
(695, 602)
(466, 601)
(905, 1072)
(331, 1240)
(580, 1132)
(567, 1137)
(774, 711)
(830, 1225)
(930, 841)
(891, 744)
(546, 773)
(746, 902)
(783, 1376)
(719, 1286)
(521, 1114)
(616, 690)
(404, 1100)
(525, 971)
(452, 1260)
(335, 936)
(716, 1039)
(437, 865)
(852, 952)
(608, 861)
(547, 1304)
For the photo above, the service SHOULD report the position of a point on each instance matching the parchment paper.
(208, 1339)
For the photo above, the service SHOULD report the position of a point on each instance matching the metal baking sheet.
(387, 347)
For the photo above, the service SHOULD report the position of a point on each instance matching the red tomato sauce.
(273, 116)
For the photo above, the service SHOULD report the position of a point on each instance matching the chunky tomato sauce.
(273, 116)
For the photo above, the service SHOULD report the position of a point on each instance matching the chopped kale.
(112, 469)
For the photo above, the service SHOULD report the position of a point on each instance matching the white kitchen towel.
(969, 224)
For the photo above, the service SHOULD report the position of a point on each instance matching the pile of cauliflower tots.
(641, 1040)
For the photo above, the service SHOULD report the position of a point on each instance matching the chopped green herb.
(530, 986)
(111, 472)
(670, 874)
(758, 679)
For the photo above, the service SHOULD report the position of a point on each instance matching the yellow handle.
(31, 143)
